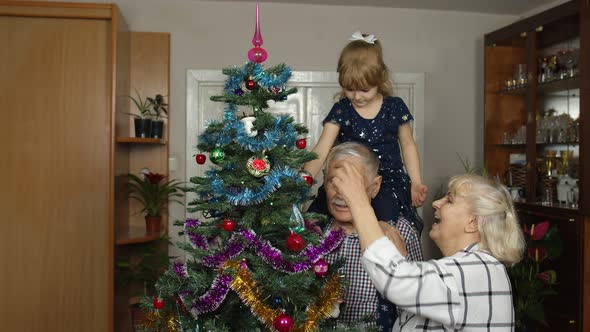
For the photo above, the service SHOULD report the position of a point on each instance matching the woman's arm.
(427, 289)
(412, 163)
(323, 146)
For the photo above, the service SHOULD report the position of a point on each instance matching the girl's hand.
(394, 236)
(419, 192)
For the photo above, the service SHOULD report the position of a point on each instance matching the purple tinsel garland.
(198, 241)
(191, 223)
(220, 287)
(211, 300)
(232, 249)
(274, 257)
(180, 269)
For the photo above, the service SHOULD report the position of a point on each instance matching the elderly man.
(477, 231)
(360, 300)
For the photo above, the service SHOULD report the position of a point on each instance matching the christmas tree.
(254, 260)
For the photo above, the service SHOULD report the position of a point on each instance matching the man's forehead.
(356, 161)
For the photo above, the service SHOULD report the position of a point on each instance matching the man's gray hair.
(357, 150)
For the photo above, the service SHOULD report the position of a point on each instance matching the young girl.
(369, 114)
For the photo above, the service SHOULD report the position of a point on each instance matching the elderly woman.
(478, 233)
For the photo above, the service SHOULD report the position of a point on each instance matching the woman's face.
(452, 215)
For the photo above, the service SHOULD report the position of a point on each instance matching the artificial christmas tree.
(255, 262)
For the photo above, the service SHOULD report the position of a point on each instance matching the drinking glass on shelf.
(572, 198)
(547, 197)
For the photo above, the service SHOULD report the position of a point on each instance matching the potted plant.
(154, 193)
(143, 121)
(139, 271)
(158, 105)
(532, 279)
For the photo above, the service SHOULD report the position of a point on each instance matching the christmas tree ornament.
(258, 166)
(158, 303)
(320, 267)
(250, 84)
(217, 155)
(301, 143)
(277, 301)
(257, 54)
(243, 264)
(248, 124)
(228, 225)
(201, 158)
(297, 218)
(275, 89)
(238, 92)
(298, 229)
(295, 242)
(305, 175)
(283, 323)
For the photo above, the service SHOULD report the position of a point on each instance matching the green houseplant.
(142, 121)
(159, 107)
(153, 192)
(532, 278)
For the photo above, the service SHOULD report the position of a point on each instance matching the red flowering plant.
(532, 278)
(154, 193)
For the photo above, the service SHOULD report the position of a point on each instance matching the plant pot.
(157, 129)
(143, 128)
(153, 224)
(138, 316)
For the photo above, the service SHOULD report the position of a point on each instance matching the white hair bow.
(359, 36)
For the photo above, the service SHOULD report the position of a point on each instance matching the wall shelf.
(135, 234)
(139, 140)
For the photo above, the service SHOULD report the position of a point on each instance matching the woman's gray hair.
(359, 151)
(492, 205)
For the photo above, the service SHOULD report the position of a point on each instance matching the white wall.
(447, 46)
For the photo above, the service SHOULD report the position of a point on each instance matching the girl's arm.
(412, 163)
(323, 146)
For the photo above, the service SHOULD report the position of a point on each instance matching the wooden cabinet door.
(55, 139)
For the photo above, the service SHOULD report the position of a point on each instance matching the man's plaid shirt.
(469, 291)
(360, 298)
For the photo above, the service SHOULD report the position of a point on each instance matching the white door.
(316, 92)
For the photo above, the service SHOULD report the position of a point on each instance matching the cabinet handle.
(572, 219)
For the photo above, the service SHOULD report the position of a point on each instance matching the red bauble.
(228, 225)
(295, 242)
(201, 158)
(283, 323)
(158, 303)
(259, 164)
(301, 143)
(308, 179)
(320, 267)
(250, 84)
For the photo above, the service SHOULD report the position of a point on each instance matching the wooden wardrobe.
(65, 69)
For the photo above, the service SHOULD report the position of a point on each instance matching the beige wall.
(447, 46)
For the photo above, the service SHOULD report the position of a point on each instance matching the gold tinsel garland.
(245, 286)
(152, 319)
(323, 306)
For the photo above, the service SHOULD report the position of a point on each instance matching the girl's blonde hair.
(361, 66)
(491, 203)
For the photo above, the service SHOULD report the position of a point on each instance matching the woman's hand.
(349, 182)
(394, 236)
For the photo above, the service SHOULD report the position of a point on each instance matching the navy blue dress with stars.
(380, 134)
